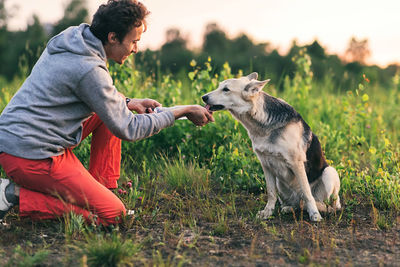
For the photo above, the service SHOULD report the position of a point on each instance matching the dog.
(294, 165)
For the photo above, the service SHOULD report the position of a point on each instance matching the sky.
(279, 22)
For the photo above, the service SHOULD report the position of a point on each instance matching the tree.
(316, 50)
(174, 53)
(75, 13)
(3, 14)
(25, 46)
(318, 57)
(357, 51)
(215, 44)
(3, 34)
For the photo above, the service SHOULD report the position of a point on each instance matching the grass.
(196, 191)
(110, 250)
(27, 258)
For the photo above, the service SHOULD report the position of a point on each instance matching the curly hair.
(119, 16)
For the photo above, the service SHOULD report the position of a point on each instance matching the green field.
(196, 190)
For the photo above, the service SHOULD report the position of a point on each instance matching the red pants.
(55, 186)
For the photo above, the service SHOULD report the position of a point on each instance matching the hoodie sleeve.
(96, 89)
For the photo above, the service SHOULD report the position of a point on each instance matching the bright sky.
(279, 22)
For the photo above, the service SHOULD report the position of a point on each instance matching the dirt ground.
(284, 241)
(344, 239)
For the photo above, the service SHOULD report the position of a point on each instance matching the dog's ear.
(254, 87)
(252, 76)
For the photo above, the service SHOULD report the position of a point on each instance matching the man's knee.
(115, 213)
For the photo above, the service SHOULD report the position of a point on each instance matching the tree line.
(19, 51)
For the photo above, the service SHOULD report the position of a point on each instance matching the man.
(69, 95)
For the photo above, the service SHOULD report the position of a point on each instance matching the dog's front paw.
(315, 217)
(265, 214)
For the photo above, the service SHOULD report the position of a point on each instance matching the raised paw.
(315, 217)
(265, 214)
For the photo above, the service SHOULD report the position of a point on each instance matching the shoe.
(5, 205)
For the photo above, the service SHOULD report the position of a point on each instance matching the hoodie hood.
(77, 40)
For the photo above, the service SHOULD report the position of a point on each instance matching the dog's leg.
(327, 188)
(284, 197)
(272, 196)
(301, 176)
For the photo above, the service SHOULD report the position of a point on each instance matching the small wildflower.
(129, 184)
(120, 191)
(387, 142)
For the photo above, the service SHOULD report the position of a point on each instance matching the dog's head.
(235, 94)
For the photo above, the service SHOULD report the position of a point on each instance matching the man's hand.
(143, 105)
(195, 113)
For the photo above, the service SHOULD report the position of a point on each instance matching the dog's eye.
(225, 89)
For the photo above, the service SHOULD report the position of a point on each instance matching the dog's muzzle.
(209, 106)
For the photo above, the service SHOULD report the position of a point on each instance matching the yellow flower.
(387, 142)
(372, 150)
(193, 63)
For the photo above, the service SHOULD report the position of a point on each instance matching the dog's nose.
(205, 98)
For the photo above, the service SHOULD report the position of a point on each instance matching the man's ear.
(252, 76)
(254, 87)
(112, 37)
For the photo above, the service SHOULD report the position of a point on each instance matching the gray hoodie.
(69, 83)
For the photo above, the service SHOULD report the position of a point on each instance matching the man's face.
(120, 51)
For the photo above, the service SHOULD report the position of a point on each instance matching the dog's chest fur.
(278, 153)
